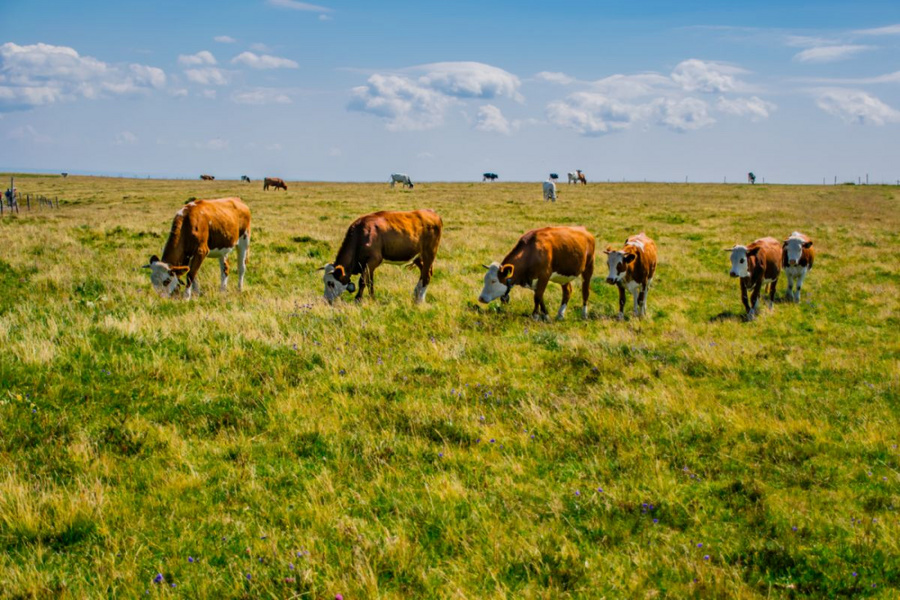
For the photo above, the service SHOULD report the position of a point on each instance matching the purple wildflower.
(699, 544)
(248, 576)
(190, 559)
(600, 490)
(291, 566)
(158, 578)
(706, 557)
(577, 493)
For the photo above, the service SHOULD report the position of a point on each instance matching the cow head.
(163, 277)
(793, 249)
(337, 281)
(618, 261)
(740, 260)
(497, 282)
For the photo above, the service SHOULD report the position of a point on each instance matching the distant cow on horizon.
(206, 177)
(244, 178)
(489, 177)
(274, 182)
(402, 179)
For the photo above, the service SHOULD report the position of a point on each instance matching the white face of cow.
(793, 247)
(739, 266)
(617, 261)
(333, 286)
(163, 277)
(493, 287)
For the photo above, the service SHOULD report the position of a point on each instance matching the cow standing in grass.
(489, 177)
(205, 177)
(557, 254)
(402, 179)
(274, 182)
(549, 191)
(757, 264)
(400, 238)
(201, 229)
(797, 259)
(632, 268)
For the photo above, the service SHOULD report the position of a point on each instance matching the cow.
(797, 260)
(395, 237)
(201, 229)
(549, 191)
(632, 268)
(751, 178)
(489, 177)
(274, 182)
(554, 176)
(64, 174)
(401, 179)
(557, 254)
(756, 264)
(581, 177)
(573, 177)
(206, 177)
(245, 179)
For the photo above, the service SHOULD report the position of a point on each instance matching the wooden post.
(57, 201)
(28, 201)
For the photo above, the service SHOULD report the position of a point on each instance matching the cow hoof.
(620, 317)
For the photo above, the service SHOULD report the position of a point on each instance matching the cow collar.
(509, 286)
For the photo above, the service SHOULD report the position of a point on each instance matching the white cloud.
(591, 113)
(469, 80)
(125, 137)
(41, 74)
(224, 39)
(260, 47)
(822, 54)
(204, 57)
(325, 18)
(260, 96)
(404, 104)
(805, 41)
(554, 77)
(888, 30)
(684, 115)
(633, 86)
(856, 106)
(705, 76)
(295, 5)
(491, 119)
(179, 93)
(754, 107)
(209, 94)
(207, 76)
(263, 61)
(886, 78)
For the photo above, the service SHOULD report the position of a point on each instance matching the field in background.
(268, 445)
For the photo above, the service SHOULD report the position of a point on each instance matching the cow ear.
(153, 259)
(486, 268)
(753, 251)
(808, 244)
(629, 258)
(179, 271)
(608, 250)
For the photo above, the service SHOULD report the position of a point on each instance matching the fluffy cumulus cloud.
(263, 61)
(491, 120)
(554, 77)
(224, 39)
(591, 113)
(260, 96)
(417, 97)
(824, 54)
(207, 76)
(684, 115)
(754, 107)
(695, 75)
(856, 106)
(402, 103)
(204, 57)
(633, 86)
(40, 74)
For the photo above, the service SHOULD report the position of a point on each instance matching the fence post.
(28, 201)
(57, 201)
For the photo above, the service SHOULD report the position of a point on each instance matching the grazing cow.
(554, 176)
(756, 264)
(274, 182)
(205, 177)
(557, 254)
(245, 179)
(64, 174)
(573, 177)
(489, 177)
(200, 229)
(549, 191)
(797, 260)
(632, 268)
(751, 178)
(401, 179)
(581, 177)
(400, 238)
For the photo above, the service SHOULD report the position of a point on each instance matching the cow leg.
(223, 266)
(636, 296)
(744, 298)
(621, 315)
(567, 293)
(789, 294)
(586, 287)
(799, 285)
(367, 279)
(540, 309)
(644, 289)
(193, 287)
(243, 253)
(754, 299)
(772, 288)
(426, 268)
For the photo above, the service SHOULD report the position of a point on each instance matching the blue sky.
(351, 90)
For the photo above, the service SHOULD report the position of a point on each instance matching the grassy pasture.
(268, 445)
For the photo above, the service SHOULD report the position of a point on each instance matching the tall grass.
(268, 445)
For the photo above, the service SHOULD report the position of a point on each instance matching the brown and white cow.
(394, 237)
(557, 254)
(756, 264)
(797, 260)
(200, 229)
(632, 268)
(205, 177)
(274, 182)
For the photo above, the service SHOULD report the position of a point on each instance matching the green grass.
(241, 430)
